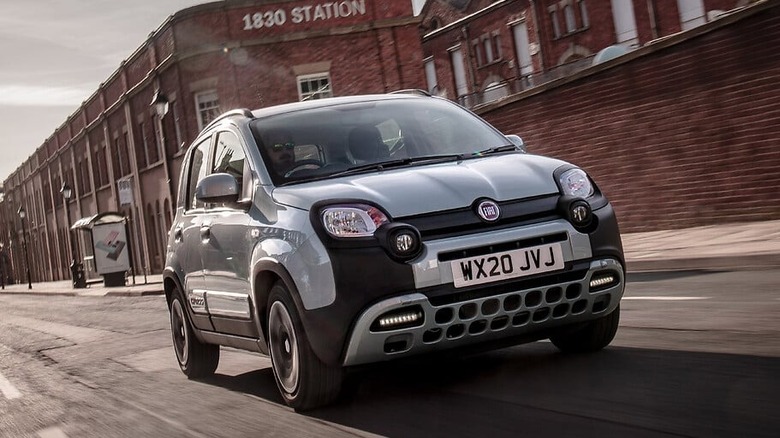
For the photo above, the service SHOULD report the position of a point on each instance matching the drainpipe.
(464, 31)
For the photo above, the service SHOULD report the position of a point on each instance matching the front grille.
(501, 247)
(463, 221)
(518, 310)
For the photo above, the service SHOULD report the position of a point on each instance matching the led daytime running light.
(404, 318)
(602, 281)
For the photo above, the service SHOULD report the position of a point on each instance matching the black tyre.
(195, 358)
(304, 381)
(593, 337)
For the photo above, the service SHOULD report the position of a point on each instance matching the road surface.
(697, 354)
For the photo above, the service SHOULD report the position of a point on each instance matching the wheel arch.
(264, 275)
(170, 283)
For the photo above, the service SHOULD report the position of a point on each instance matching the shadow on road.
(259, 383)
(533, 390)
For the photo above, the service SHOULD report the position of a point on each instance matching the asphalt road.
(697, 354)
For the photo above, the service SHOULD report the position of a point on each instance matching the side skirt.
(242, 343)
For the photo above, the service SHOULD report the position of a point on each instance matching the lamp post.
(161, 104)
(22, 216)
(76, 268)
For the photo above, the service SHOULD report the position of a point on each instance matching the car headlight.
(575, 182)
(355, 220)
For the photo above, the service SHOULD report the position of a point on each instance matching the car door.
(228, 243)
(186, 239)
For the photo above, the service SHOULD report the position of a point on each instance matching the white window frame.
(430, 74)
(459, 70)
(487, 44)
(556, 27)
(584, 14)
(692, 13)
(204, 97)
(522, 44)
(625, 22)
(322, 92)
(569, 19)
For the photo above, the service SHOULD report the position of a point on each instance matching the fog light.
(404, 242)
(580, 213)
(602, 281)
(397, 319)
(401, 241)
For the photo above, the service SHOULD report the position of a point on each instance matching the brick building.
(689, 111)
(476, 51)
(199, 62)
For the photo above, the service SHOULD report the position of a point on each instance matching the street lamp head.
(66, 191)
(160, 103)
(22, 213)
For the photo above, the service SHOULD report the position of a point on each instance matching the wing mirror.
(217, 188)
(517, 141)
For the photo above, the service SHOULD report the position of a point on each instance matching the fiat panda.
(348, 231)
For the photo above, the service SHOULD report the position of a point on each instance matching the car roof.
(331, 101)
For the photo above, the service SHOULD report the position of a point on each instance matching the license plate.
(509, 264)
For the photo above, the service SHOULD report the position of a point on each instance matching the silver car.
(347, 231)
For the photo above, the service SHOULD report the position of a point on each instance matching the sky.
(55, 54)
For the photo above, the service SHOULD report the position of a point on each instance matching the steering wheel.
(303, 165)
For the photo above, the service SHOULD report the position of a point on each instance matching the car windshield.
(348, 138)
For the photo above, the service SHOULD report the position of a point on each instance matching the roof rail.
(236, 112)
(416, 91)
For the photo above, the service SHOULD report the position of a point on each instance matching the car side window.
(229, 156)
(198, 171)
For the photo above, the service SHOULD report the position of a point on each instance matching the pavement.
(725, 247)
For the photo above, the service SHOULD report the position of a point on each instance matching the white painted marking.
(9, 391)
(667, 298)
(52, 432)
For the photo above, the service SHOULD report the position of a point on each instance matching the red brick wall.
(684, 133)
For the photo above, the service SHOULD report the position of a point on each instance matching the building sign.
(304, 14)
(125, 186)
(110, 248)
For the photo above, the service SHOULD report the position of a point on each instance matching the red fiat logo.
(488, 211)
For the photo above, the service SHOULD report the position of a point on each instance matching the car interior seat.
(365, 145)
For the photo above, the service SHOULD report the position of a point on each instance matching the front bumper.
(367, 279)
(473, 321)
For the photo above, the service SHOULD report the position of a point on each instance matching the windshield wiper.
(399, 163)
(497, 149)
